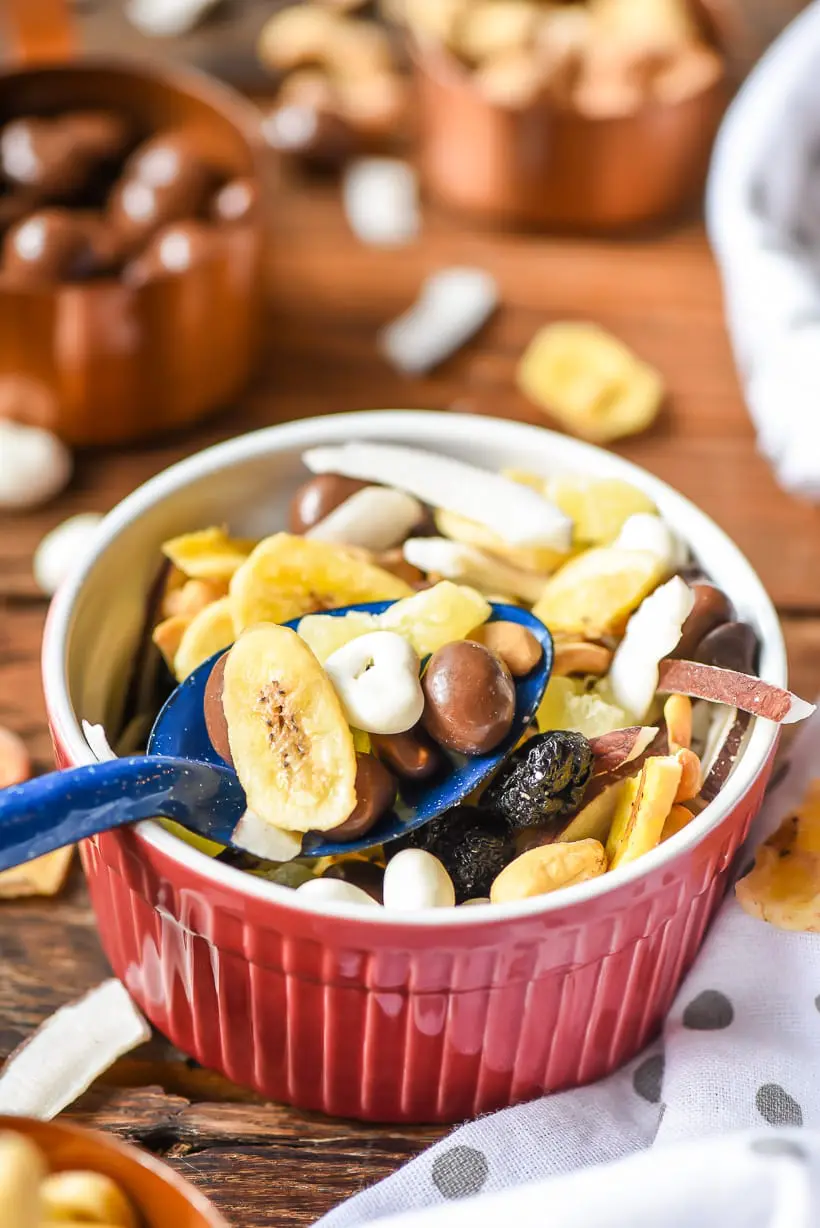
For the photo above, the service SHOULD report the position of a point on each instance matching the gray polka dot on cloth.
(777, 1107)
(779, 1148)
(817, 1001)
(460, 1172)
(708, 1012)
(648, 1078)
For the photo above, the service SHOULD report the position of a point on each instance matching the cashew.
(581, 657)
(547, 868)
(515, 645)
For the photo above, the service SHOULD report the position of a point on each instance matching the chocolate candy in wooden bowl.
(114, 361)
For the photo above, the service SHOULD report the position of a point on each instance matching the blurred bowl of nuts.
(131, 240)
(597, 115)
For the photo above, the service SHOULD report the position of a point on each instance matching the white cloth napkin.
(725, 1109)
(763, 217)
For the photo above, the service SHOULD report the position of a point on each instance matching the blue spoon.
(183, 778)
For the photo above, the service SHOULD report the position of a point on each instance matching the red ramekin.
(386, 1017)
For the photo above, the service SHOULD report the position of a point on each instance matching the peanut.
(581, 657)
(515, 645)
(548, 868)
(691, 780)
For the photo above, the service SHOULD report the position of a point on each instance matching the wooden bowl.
(163, 1199)
(544, 165)
(102, 362)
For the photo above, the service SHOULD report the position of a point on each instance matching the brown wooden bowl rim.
(437, 61)
(135, 1156)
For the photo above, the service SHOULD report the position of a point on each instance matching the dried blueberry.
(473, 845)
(542, 780)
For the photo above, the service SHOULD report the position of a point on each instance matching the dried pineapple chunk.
(590, 382)
(783, 888)
(208, 632)
(567, 704)
(539, 559)
(598, 507)
(287, 576)
(594, 594)
(643, 809)
(209, 554)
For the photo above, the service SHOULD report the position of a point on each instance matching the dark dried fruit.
(473, 845)
(542, 780)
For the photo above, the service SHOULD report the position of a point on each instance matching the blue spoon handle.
(51, 811)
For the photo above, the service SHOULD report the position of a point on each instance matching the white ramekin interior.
(246, 483)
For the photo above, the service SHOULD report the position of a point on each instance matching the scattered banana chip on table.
(31, 1197)
(591, 382)
(45, 876)
(783, 888)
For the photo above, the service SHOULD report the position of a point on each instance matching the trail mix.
(33, 1197)
(650, 702)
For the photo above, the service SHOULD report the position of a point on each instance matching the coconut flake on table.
(518, 514)
(380, 198)
(167, 18)
(452, 306)
(71, 1049)
(653, 631)
(61, 551)
(376, 518)
(469, 565)
(34, 466)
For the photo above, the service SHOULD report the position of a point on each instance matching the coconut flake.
(62, 550)
(452, 306)
(69, 1051)
(652, 632)
(34, 465)
(380, 198)
(167, 18)
(375, 518)
(644, 531)
(260, 839)
(97, 740)
(726, 686)
(457, 561)
(517, 513)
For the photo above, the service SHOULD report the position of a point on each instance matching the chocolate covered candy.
(375, 794)
(469, 698)
(411, 755)
(163, 181)
(215, 721)
(733, 645)
(174, 249)
(317, 498)
(236, 201)
(712, 607)
(56, 245)
(55, 157)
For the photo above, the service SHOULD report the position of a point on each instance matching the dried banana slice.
(594, 594)
(287, 576)
(291, 745)
(208, 632)
(590, 382)
(598, 507)
(643, 809)
(22, 1168)
(540, 559)
(784, 886)
(209, 554)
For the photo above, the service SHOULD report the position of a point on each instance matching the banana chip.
(287, 576)
(598, 507)
(590, 382)
(209, 631)
(209, 554)
(784, 886)
(643, 810)
(594, 594)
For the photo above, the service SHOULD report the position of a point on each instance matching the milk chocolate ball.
(317, 498)
(163, 181)
(236, 201)
(51, 245)
(174, 250)
(469, 698)
(56, 157)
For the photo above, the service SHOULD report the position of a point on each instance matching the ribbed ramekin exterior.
(402, 1023)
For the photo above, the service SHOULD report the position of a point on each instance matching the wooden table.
(266, 1164)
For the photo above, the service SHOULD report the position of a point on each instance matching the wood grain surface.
(266, 1164)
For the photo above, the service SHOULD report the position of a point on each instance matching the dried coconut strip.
(726, 686)
(69, 1051)
(612, 750)
(45, 876)
(518, 514)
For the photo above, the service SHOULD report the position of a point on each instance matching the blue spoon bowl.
(182, 777)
